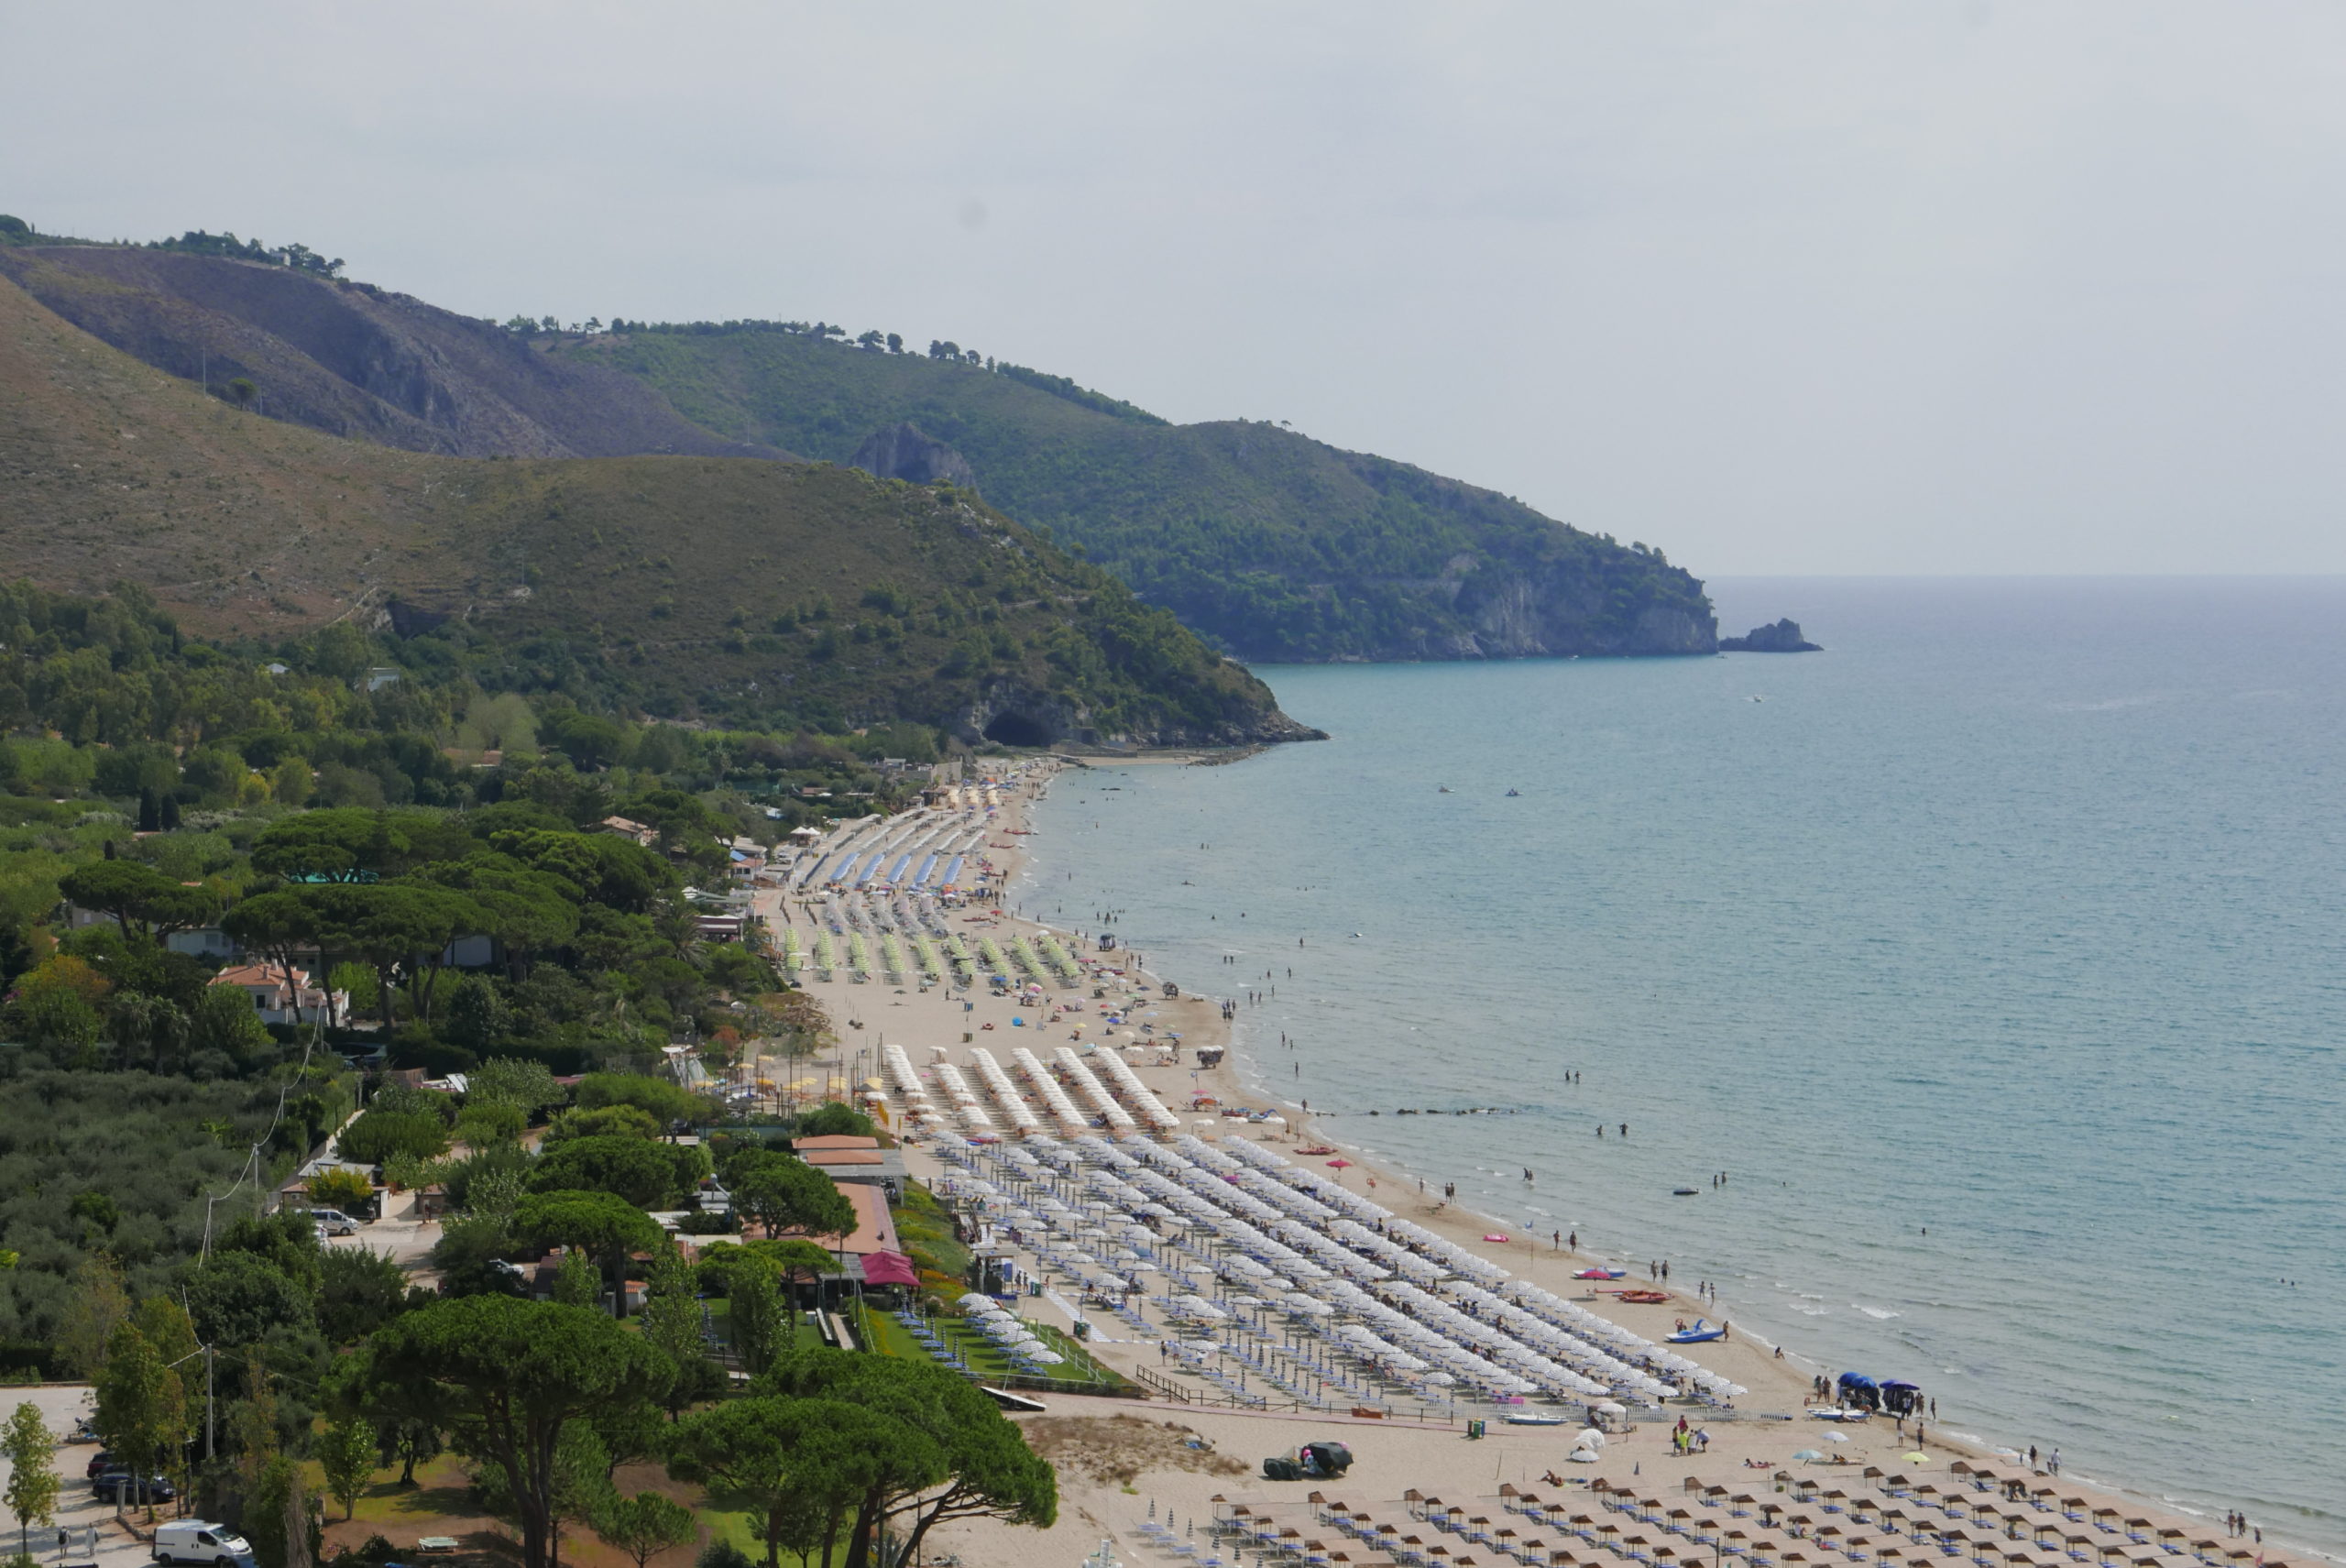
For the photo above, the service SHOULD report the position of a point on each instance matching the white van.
(193, 1540)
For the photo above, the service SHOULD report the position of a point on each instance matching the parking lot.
(86, 1521)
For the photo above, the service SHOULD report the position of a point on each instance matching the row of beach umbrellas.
(1288, 1238)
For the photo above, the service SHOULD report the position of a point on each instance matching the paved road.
(399, 1233)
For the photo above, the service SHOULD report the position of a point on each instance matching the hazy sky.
(1904, 286)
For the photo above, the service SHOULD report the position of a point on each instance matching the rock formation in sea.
(1782, 637)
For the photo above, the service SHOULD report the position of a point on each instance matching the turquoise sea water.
(1995, 955)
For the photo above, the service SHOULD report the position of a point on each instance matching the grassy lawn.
(720, 1318)
(441, 1490)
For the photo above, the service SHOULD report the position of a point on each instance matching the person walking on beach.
(1572, 1241)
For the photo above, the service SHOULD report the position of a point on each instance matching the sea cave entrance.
(1015, 729)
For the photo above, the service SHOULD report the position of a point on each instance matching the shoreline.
(1778, 1384)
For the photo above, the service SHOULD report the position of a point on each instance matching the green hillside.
(1273, 545)
(1270, 544)
(759, 593)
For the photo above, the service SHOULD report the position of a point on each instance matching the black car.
(100, 1462)
(122, 1486)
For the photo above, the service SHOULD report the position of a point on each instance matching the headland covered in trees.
(1267, 542)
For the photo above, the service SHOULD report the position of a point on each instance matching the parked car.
(100, 1462)
(122, 1486)
(333, 1223)
(197, 1540)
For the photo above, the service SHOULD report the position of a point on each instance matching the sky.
(1909, 286)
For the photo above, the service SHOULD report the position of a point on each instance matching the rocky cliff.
(906, 452)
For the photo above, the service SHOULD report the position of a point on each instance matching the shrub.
(480, 1124)
(379, 1134)
(836, 1120)
(343, 1189)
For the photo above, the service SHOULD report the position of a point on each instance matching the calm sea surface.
(1995, 954)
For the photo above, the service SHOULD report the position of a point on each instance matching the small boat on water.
(1701, 1333)
(1513, 793)
(1443, 790)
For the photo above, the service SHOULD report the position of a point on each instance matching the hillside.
(1274, 546)
(761, 593)
(352, 359)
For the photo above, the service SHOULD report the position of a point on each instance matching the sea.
(1994, 955)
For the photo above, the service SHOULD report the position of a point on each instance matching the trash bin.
(1475, 1429)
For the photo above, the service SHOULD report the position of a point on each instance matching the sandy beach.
(1124, 1471)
